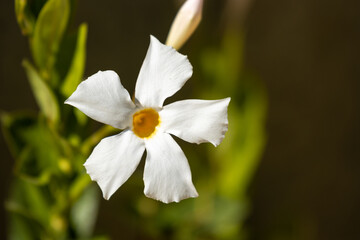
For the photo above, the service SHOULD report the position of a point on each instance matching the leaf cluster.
(50, 188)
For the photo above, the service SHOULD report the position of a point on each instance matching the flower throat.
(145, 122)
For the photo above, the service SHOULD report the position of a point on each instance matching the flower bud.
(185, 23)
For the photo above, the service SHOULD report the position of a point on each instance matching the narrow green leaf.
(43, 94)
(76, 71)
(24, 17)
(29, 201)
(48, 32)
(37, 202)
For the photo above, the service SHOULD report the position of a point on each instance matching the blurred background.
(307, 185)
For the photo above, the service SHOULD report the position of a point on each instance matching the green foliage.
(42, 92)
(48, 32)
(76, 71)
(51, 196)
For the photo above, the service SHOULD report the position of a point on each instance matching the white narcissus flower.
(148, 124)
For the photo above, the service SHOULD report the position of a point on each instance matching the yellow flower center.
(145, 122)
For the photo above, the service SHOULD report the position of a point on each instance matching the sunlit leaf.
(43, 94)
(48, 32)
(76, 71)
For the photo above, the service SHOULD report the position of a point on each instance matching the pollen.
(145, 122)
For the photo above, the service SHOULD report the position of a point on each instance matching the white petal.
(167, 173)
(103, 98)
(113, 161)
(196, 121)
(163, 73)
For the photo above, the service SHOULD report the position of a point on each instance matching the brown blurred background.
(307, 53)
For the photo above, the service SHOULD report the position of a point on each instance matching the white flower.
(148, 125)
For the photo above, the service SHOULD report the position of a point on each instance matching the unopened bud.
(185, 23)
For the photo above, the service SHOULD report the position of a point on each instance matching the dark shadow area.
(307, 186)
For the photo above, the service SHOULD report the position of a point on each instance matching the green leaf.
(29, 201)
(37, 201)
(49, 29)
(19, 227)
(36, 149)
(84, 212)
(46, 150)
(76, 71)
(24, 17)
(42, 92)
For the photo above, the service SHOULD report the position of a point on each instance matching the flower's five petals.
(103, 98)
(113, 161)
(163, 73)
(196, 121)
(148, 125)
(167, 173)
